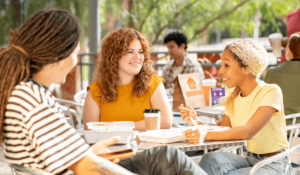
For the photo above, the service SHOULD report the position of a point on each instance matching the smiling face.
(131, 63)
(233, 74)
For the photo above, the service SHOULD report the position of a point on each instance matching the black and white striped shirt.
(36, 135)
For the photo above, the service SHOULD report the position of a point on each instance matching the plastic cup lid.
(209, 81)
(275, 35)
(151, 110)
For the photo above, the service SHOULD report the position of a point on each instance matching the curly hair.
(251, 56)
(113, 47)
(178, 37)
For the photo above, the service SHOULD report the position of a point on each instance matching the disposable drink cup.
(207, 84)
(276, 38)
(152, 119)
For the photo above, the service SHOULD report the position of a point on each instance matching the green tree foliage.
(197, 17)
(8, 8)
(193, 17)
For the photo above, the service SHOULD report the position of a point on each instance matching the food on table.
(100, 124)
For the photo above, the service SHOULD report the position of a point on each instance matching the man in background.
(180, 63)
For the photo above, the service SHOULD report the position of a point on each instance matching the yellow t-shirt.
(127, 107)
(272, 137)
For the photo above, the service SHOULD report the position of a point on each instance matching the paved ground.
(4, 168)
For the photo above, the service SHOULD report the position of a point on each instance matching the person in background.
(125, 82)
(287, 76)
(33, 127)
(293, 26)
(181, 63)
(253, 112)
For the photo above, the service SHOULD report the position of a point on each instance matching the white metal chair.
(293, 116)
(66, 105)
(294, 132)
(79, 97)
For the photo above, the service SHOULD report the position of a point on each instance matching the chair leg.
(13, 171)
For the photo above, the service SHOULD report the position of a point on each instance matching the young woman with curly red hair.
(125, 82)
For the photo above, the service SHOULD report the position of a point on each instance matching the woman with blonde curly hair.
(125, 82)
(253, 111)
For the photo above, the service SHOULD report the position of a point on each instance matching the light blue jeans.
(218, 163)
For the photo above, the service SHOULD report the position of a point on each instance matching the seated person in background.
(292, 27)
(253, 111)
(181, 62)
(125, 82)
(35, 132)
(287, 77)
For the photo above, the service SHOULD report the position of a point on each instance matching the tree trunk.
(131, 23)
(16, 11)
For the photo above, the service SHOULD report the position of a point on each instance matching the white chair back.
(294, 151)
(66, 105)
(79, 97)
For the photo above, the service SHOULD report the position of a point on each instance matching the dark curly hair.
(178, 37)
(113, 47)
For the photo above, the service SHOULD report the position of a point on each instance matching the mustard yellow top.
(127, 107)
(272, 137)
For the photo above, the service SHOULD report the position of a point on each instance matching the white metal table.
(183, 146)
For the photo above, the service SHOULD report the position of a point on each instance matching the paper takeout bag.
(188, 90)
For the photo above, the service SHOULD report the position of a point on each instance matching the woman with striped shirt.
(253, 111)
(33, 128)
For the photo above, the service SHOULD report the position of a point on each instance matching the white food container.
(174, 134)
(163, 136)
(96, 136)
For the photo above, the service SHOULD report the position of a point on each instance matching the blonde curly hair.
(113, 47)
(251, 56)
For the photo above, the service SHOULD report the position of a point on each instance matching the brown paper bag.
(188, 90)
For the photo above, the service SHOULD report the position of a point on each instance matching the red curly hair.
(113, 47)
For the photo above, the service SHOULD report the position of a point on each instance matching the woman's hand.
(187, 112)
(101, 147)
(193, 135)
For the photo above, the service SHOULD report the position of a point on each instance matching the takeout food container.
(111, 126)
(96, 136)
(163, 136)
(174, 134)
